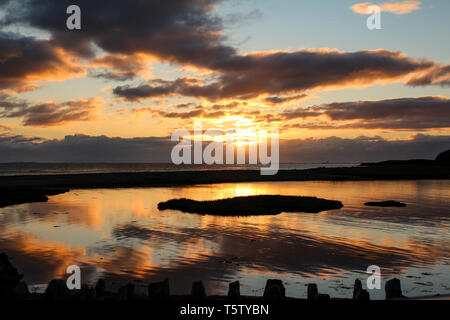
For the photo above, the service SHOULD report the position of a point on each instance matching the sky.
(138, 70)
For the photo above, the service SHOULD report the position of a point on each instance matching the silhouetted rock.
(323, 297)
(313, 292)
(87, 292)
(198, 290)
(252, 205)
(9, 276)
(234, 291)
(8, 273)
(20, 289)
(159, 290)
(444, 157)
(122, 293)
(126, 292)
(393, 289)
(100, 287)
(56, 290)
(359, 294)
(389, 203)
(274, 290)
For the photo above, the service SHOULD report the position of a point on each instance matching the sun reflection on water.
(120, 234)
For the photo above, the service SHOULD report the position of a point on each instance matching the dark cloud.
(190, 114)
(297, 113)
(156, 88)
(117, 67)
(15, 140)
(363, 149)
(198, 112)
(274, 100)
(400, 114)
(227, 106)
(249, 76)
(82, 148)
(184, 105)
(183, 31)
(25, 59)
(189, 32)
(109, 75)
(190, 87)
(50, 113)
(210, 112)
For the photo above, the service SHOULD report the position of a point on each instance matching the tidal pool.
(120, 235)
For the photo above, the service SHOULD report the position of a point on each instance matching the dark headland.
(23, 189)
(252, 205)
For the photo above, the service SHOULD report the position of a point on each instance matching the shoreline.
(13, 287)
(175, 178)
(35, 188)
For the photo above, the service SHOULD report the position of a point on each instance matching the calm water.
(119, 234)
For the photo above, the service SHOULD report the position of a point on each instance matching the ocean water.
(36, 168)
(120, 235)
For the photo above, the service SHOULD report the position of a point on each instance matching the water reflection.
(120, 234)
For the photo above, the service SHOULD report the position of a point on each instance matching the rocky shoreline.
(13, 288)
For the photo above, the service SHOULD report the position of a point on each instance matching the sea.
(38, 168)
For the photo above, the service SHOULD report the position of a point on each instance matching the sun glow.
(242, 131)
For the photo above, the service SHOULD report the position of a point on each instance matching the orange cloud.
(26, 60)
(402, 7)
(50, 113)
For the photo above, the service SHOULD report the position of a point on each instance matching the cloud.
(436, 75)
(363, 149)
(155, 88)
(50, 113)
(117, 67)
(83, 148)
(277, 100)
(13, 141)
(400, 7)
(252, 75)
(198, 112)
(4, 128)
(397, 114)
(403, 114)
(184, 31)
(25, 59)
(191, 34)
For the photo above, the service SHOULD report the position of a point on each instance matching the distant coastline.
(51, 168)
(32, 188)
(17, 189)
